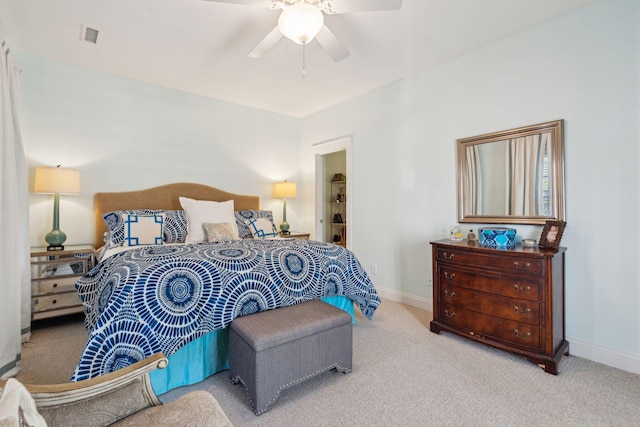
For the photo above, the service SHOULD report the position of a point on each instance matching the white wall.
(583, 68)
(124, 135)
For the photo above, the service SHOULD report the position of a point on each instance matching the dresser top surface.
(518, 249)
(69, 249)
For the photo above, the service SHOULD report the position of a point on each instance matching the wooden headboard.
(163, 197)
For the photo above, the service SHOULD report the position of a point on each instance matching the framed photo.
(551, 234)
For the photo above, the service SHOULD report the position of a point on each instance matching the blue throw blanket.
(159, 298)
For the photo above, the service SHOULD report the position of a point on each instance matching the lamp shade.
(300, 22)
(284, 190)
(56, 180)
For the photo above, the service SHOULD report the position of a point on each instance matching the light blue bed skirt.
(210, 354)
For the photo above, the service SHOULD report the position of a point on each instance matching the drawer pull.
(521, 267)
(449, 294)
(54, 301)
(446, 313)
(523, 337)
(522, 290)
(447, 256)
(55, 285)
(449, 276)
(523, 312)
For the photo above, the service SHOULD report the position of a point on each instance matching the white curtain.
(474, 182)
(15, 284)
(524, 169)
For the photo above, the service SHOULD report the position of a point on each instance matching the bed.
(179, 296)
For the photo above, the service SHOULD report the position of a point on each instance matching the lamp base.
(55, 238)
(284, 228)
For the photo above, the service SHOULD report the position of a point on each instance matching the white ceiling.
(201, 47)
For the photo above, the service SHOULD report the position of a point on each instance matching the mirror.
(514, 176)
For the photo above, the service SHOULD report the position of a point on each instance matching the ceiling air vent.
(91, 35)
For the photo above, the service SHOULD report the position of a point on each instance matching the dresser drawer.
(59, 284)
(488, 327)
(55, 301)
(493, 305)
(515, 264)
(43, 268)
(514, 287)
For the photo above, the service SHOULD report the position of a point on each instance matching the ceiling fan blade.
(347, 6)
(266, 44)
(269, 4)
(331, 44)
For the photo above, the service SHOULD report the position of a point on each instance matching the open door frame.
(320, 149)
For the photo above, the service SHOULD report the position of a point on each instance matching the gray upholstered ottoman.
(275, 349)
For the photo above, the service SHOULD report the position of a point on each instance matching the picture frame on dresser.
(552, 234)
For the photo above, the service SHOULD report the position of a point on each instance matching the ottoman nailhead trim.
(237, 379)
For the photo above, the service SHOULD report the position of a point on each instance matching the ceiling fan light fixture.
(300, 22)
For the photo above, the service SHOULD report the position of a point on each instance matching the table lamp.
(56, 181)
(284, 190)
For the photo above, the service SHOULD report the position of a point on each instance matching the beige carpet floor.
(403, 375)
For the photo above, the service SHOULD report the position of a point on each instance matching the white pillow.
(143, 229)
(200, 212)
(17, 407)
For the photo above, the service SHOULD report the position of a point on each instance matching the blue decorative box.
(497, 236)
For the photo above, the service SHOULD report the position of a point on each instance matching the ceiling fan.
(303, 20)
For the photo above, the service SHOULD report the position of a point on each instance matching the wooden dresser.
(512, 299)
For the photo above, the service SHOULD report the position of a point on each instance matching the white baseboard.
(615, 359)
(412, 300)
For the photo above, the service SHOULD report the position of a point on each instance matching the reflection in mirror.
(514, 176)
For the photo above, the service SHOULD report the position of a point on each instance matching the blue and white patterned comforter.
(159, 298)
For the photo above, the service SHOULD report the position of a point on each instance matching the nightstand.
(296, 235)
(53, 279)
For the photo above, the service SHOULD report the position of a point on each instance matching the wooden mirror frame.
(556, 174)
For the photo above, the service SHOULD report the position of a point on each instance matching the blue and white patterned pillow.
(174, 230)
(262, 228)
(143, 229)
(247, 215)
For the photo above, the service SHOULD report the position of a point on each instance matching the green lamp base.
(55, 238)
(284, 228)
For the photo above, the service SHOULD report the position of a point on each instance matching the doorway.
(333, 191)
(335, 167)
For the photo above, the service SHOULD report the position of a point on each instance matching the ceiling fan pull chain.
(304, 65)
